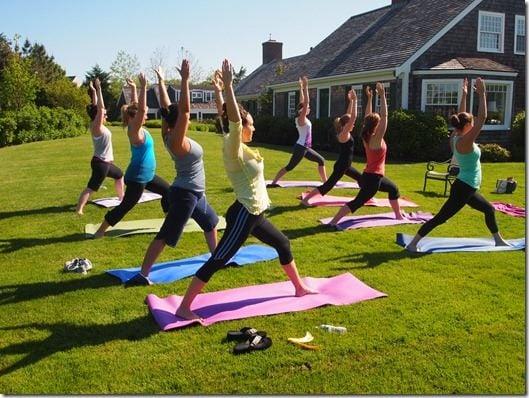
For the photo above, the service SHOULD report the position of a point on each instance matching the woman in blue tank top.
(187, 197)
(140, 173)
(464, 190)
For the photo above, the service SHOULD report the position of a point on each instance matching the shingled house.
(420, 49)
(202, 101)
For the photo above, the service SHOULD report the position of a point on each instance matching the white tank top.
(103, 145)
(305, 133)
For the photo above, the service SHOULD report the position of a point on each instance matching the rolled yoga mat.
(258, 300)
(378, 220)
(174, 270)
(152, 226)
(444, 245)
(313, 184)
(336, 201)
(146, 196)
(509, 209)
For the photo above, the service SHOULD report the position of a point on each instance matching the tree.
(104, 77)
(159, 59)
(5, 50)
(18, 86)
(125, 65)
(238, 76)
(42, 65)
(197, 73)
(65, 94)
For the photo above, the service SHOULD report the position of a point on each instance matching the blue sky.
(80, 34)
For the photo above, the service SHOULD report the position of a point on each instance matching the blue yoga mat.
(179, 269)
(444, 245)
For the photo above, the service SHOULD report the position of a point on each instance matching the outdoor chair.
(447, 171)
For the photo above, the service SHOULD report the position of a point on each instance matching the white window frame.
(508, 105)
(425, 82)
(359, 90)
(516, 19)
(502, 38)
(197, 94)
(318, 101)
(291, 97)
(376, 107)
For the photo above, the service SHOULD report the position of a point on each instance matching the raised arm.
(304, 100)
(218, 87)
(92, 92)
(100, 117)
(369, 101)
(464, 145)
(179, 144)
(135, 126)
(164, 97)
(133, 93)
(383, 123)
(232, 109)
(464, 93)
(351, 111)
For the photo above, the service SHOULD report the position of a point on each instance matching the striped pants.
(240, 224)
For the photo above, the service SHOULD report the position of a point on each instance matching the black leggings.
(299, 152)
(133, 193)
(462, 194)
(101, 170)
(370, 184)
(342, 167)
(240, 224)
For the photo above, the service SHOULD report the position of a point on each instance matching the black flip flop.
(244, 334)
(253, 344)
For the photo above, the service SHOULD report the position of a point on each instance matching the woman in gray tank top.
(187, 193)
(103, 159)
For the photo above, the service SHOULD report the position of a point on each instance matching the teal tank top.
(142, 162)
(469, 164)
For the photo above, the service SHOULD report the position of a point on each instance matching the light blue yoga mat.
(179, 269)
(444, 245)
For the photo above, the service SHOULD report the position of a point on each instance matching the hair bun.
(454, 121)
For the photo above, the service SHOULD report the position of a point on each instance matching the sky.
(80, 34)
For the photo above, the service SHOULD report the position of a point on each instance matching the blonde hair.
(128, 111)
(341, 121)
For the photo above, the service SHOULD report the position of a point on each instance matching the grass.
(452, 323)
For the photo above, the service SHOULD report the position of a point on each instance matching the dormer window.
(491, 29)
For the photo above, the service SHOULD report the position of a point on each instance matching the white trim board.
(464, 72)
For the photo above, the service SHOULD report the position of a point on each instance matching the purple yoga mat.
(335, 201)
(509, 209)
(257, 300)
(313, 184)
(378, 220)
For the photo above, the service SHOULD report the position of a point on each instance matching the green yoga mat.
(125, 228)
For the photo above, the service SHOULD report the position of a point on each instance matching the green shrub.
(153, 124)
(518, 137)
(275, 130)
(8, 127)
(493, 153)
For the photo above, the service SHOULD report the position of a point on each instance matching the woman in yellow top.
(244, 168)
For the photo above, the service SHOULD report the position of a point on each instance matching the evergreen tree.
(104, 77)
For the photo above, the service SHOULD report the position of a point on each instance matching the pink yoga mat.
(509, 209)
(314, 184)
(336, 201)
(378, 220)
(257, 300)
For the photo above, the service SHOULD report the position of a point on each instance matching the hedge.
(39, 124)
(494, 153)
(518, 137)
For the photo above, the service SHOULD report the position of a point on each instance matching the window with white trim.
(292, 104)
(323, 102)
(491, 31)
(499, 104)
(377, 98)
(519, 35)
(441, 97)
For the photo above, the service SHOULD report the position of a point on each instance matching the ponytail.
(460, 120)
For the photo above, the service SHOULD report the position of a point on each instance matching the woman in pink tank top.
(373, 179)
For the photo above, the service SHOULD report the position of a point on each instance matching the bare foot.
(186, 313)
(400, 216)
(98, 235)
(79, 213)
(304, 290)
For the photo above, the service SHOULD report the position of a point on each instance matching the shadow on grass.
(307, 231)
(276, 210)
(67, 336)
(430, 194)
(14, 244)
(372, 260)
(32, 212)
(10, 294)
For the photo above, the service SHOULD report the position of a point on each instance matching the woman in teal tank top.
(140, 173)
(464, 190)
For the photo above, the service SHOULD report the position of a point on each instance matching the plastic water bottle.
(333, 329)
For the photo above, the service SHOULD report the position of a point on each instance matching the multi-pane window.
(377, 98)
(499, 95)
(519, 35)
(490, 32)
(441, 97)
(292, 104)
(323, 102)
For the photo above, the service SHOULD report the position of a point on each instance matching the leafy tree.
(238, 76)
(125, 65)
(65, 94)
(42, 65)
(18, 85)
(5, 50)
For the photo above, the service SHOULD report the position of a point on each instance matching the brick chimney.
(272, 51)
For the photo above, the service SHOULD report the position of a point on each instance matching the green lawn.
(452, 323)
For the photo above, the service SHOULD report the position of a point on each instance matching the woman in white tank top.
(302, 147)
(103, 159)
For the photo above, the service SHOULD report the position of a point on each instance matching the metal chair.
(448, 174)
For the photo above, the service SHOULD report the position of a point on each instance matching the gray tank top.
(189, 168)
(103, 145)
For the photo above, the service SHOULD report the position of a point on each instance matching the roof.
(380, 39)
(473, 64)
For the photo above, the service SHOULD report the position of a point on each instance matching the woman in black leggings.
(464, 190)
